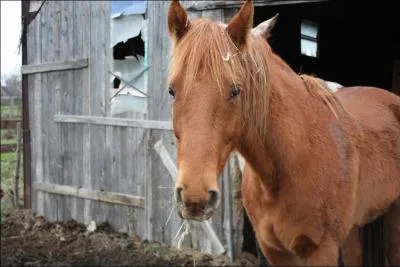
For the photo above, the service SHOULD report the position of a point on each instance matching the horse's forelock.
(203, 49)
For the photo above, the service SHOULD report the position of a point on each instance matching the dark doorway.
(357, 45)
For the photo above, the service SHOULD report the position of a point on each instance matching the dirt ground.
(29, 240)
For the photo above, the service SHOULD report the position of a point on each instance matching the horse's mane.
(318, 88)
(207, 47)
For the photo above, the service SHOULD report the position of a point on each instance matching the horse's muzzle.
(199, 210)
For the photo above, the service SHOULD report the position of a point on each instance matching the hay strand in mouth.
(185, 233)
(179, 231)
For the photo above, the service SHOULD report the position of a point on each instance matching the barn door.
(66, 52)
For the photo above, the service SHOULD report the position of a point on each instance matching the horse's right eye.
(171, 91)
(234, 92)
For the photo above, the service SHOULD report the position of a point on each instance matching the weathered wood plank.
(217, 14)
(86, 109)
(44, 43)
(140, 157)
(109, 197)
(166, 159)
(113, 121)
(34, 56)
(228, 210)
(99, 55)
(148, 191)
(64, 43)
(57, 88)
(76, 205)
(55, 66)
(237, 206)
(113, 161)
(64, 98)
(159, 105)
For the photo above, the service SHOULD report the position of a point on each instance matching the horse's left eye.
(234, 92)
(171, 91)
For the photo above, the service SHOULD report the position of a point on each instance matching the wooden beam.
(223, 4)
(110, 197)
(166, 159)
(55, 66)
(205, 225)
(112, 121)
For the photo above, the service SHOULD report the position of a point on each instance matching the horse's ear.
(178, 20)
(241, 24)
(264, 29)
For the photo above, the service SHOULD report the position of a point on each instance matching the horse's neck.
(286, 118)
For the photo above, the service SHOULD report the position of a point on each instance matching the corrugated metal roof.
(134, 7)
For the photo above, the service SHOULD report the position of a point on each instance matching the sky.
(10, 36)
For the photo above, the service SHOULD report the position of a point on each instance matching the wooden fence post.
(17, 165)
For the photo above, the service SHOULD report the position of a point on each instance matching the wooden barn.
(97, 118)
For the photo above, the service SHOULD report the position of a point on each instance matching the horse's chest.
(283, 234)
(263, 216)
(262, 211)
(277, 224)
(270, 234)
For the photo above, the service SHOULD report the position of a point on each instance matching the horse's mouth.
(200, 217)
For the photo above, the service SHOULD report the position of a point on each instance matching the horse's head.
(210, 77)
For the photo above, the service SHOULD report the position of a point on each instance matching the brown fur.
(318, 164)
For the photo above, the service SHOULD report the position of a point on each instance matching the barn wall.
(106, 158)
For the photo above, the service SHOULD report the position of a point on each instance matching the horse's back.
(377, 113)
(366, 103)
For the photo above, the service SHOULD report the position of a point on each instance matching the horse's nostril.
(178, 194)
(213, 199)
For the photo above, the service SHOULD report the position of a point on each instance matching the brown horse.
(318, 164)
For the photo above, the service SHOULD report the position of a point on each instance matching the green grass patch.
(6, 159)
(7, 134)
(8, 141)
(7, 171)
(7, 111)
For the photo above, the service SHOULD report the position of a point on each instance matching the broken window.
(132, 47)
(128, 73)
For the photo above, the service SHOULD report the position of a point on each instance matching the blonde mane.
(318, 88)
(207, 48)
